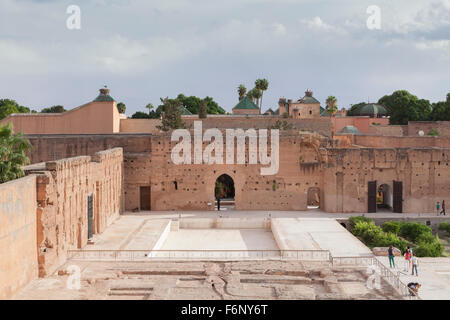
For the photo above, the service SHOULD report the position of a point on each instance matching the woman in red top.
(407, 259)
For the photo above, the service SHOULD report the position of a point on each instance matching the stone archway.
(224, 191)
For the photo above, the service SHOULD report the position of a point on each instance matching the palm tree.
(242, 90)
(257, 94)
(13, 148)
(149, 107)
(331, 109)
(263, 85)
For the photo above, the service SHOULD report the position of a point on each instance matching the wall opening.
(313, 198)
(144, 194)
(384, 198)
(224, 193)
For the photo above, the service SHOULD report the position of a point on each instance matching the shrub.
(445, 226)
(433, 132)
(429, 249)
(412, 231)
(374, 236)
(354, 220)
(392, 226)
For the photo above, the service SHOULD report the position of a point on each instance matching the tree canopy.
(54, 109)
(9, 106)
(121, 107)
(171, 118)
(13, 148)
(404, 107)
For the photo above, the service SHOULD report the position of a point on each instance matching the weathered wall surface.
(18, 254)
(299, 170)
(388, 130)
(442, 126)
(362, 123)
(63, 187)
(400, 142)
(319, 125)
(303, 165)
(424, 172)
(94, 117)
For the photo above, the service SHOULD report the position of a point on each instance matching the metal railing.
(384, 272)
(143, 255)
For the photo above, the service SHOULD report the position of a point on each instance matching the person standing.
(438, 207)
(407, 259)
(443, 207)
(391, 256)
(415, 264)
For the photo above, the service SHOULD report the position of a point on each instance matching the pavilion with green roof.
(372, 110)
(246, 106)
(104, 96)
(349, 130)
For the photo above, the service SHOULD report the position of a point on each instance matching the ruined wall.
(424, 172)
(18, 263)
(319, 125)
(54, 147)
(388, 130)
(442, 126)
(299, 170)
(400, 142)
(63, 187)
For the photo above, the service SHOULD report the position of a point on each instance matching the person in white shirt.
(415, 264)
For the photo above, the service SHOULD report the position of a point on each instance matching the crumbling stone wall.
(424, 172)
(63, 187)
(18, 257)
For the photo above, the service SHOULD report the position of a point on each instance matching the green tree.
(13, 148)
(171, 118)
(150, 108)
(404, 107)
(352, 110)
(262, 85)
(242, 90)
(9, 106)
(441, 110)
(202, 112)
(140, 115)
(54, 109)
(331, 106)
(121, 107)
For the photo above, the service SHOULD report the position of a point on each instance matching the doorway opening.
(313, 198)
(224, 193)
(384, 198)
(144, 194)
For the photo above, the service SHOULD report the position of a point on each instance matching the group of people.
(411, 261)
(438, 207)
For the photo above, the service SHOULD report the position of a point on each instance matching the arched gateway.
(224, 192)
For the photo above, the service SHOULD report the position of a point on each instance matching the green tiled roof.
(269, 111)
(246, 103)
(370, 109)
(184, 111)
(104, 96)
(308, 100)
(350, 130)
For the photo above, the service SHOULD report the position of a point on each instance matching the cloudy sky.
(146, 49)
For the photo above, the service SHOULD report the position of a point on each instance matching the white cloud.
(279, 29)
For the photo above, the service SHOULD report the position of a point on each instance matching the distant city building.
(307, 107)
